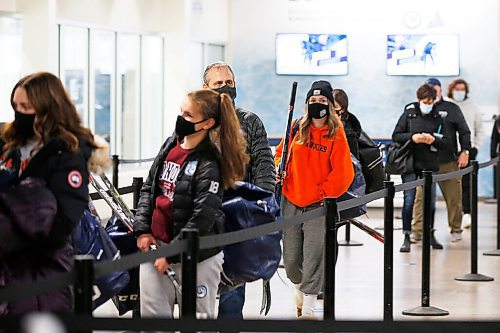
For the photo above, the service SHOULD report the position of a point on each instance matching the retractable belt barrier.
(58, 281)
(117, 161)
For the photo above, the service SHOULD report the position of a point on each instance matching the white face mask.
(458, 95)
(425, 108)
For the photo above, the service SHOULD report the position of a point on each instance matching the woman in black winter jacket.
(421, 124)
(352, 126)
(44, 154)
(184, 190)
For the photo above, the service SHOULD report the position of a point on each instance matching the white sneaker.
(298, 298)
(456, 236)
(466, 221)
(309, 303)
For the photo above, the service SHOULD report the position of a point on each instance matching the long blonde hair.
(227, 137)
(305, 123)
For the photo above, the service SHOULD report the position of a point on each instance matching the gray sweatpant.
(303, 250)
(158, 293)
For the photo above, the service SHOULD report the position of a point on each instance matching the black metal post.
(116, 162)
(425, 309)
(473, 276)
(348, 241)
(388, 251)
(137, 185)
(497, 187)
(331, 218)
(83, 288)
(189, 273)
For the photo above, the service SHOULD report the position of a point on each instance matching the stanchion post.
(497, 187)
(189, 272)
(84, 268)
(426, 250)
(347, 233)
(116, 163)
(425, 309)
(388, 251)
(473, 276)
(137, 185)
(497, 167)
(331, 219)
(347, 241)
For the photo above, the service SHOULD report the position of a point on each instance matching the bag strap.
(266, 297)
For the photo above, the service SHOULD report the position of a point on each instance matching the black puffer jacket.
(197, 195)
(261, 171)
(352, 129)
(411, 122)
(37, 219)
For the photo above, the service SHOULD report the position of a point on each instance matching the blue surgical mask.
(458, 95)
(425, 108)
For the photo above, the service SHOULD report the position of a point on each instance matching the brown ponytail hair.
(305, 123)
(56, 115)
(227, 136)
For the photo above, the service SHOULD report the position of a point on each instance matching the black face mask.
(231, 91)
(317, 110)
(184, 128)
(24, 124)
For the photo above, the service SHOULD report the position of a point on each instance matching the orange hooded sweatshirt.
(317, 169)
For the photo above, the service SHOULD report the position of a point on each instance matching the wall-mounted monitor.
(436, 55)
(311, 54)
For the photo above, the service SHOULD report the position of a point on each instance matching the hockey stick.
(118, 198)
(114, 207)
(286, 143)
(92, 209)
(370, 231)
(170, 273)
(125, 214)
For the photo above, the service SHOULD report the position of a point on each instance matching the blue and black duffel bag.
(247, 206)
(89, 237)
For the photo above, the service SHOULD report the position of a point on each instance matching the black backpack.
(371, 162)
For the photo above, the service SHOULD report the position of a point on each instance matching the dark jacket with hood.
(352, 129)
(412, 121)
(261, 171)
(454, 123)
(495, 138)
(38, 212)
(197, 196)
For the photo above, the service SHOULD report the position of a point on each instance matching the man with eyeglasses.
(219, 76)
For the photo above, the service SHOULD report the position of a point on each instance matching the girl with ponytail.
(184, 189)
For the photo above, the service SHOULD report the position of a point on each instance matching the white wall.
(39, 35)
(133, 15)
(209, 20)
(8, 6)
(376, 98)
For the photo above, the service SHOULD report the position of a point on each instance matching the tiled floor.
(359, 292)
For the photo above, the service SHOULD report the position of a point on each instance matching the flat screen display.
(311, 54)
(436, 55)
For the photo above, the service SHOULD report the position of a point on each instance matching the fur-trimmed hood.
(99, 160)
